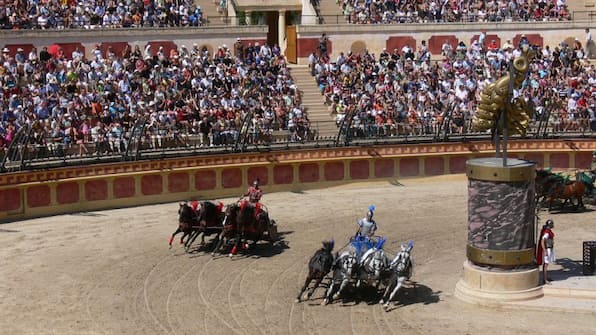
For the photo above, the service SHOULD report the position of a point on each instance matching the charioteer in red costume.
(254, 194)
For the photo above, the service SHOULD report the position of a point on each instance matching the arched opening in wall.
(575, 43)
(568, 41)
(358, 47)
(165, 46)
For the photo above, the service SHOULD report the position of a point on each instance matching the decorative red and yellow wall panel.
(32, 194)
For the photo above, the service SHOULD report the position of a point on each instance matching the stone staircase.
(314, 102)
(582, 10)
(209, 8)
(580, 5)
(331, 12)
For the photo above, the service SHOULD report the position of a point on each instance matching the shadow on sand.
(263, 249)
(411, 293)
(91, 214)
(558, 209)
(569, 268)
(9, 231)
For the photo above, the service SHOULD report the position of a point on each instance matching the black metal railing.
(140, 144)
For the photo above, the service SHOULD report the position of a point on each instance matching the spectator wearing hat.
(523, 42)
(507, 46)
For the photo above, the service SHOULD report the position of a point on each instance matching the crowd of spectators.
(404, 92)
(90, 14)
(79, 103)
(416, 11)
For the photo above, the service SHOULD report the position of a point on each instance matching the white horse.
(373, 264)
(401, 270)
(344, 270)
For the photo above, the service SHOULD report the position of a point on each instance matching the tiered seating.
(90, 105)
(402, 92)
(414, 11)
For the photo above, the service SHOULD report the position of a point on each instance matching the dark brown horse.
(318, 267)
(551, 186)
(187, 223)
(241, 223)
(210, 217)
(554, 186)
(568, 192)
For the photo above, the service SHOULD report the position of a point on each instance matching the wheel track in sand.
(303, 273)
(239, 277)
(209, 306)
(206, 310)
(146, 294)
(168, 299)
(92, 319)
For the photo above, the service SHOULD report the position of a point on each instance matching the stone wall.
(343, 37)
(94, 187)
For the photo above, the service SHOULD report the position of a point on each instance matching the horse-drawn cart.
(270, 234)
(245, 222)
(560, 188)
(365, 261)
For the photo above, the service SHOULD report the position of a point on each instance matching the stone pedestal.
(490, 287)
(500, 250)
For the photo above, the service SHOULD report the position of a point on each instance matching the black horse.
(318, 267)
(544, 182)
(210, 221)
(231, 228)
(187, 223)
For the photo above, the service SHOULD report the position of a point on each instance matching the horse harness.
(401, 263)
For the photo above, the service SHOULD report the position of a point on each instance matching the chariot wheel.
(273, 236)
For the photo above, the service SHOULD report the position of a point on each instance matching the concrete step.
(329, 7)
(313, 102)
(209, 9)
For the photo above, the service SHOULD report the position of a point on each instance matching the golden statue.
(494, 100)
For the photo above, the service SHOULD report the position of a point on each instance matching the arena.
(111, 113)
(111, 272)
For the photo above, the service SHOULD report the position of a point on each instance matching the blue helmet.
(371, 211)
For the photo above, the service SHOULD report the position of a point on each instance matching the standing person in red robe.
(545, 253)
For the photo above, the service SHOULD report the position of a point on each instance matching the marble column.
(500, 267)
(500, 212)
(281, 32)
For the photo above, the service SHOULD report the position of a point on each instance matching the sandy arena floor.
(111, 272)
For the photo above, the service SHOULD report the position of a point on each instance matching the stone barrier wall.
(94, 187)
(342, 37)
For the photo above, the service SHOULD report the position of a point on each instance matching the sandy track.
(111, 272)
